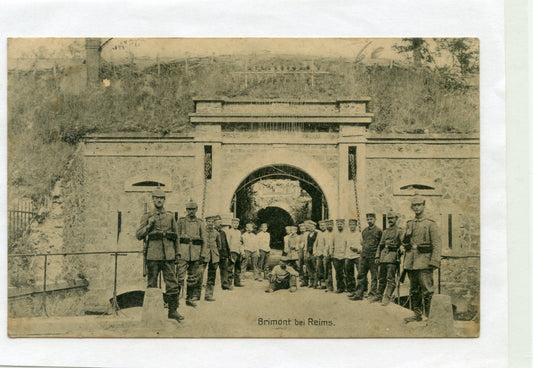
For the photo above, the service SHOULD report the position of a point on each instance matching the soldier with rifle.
(422, 245)
(159, 231)
(388, 258)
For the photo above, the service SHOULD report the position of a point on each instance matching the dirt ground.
(247, 312)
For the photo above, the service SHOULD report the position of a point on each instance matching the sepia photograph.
(243, 187)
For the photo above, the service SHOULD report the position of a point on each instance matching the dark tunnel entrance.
(279, 195)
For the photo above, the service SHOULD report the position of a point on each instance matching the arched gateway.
(298, 158)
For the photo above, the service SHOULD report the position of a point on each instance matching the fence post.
(43, 306)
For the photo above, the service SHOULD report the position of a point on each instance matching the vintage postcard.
(243, 187)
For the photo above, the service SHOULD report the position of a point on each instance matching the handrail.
(115, 253)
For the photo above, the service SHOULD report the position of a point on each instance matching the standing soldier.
(159, 231)
(319, 249)
(388, 257)
(236, 251)
(302, 242)
(353, 253)
(329, 234)
(212, 255)
(251, 252)
(191, 248)
(338, 252)
(223, 225)
(371, 236)
(263, 243)
(422, 246)
(291, 247)
(310, 261)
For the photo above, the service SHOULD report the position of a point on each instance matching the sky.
(121, 48)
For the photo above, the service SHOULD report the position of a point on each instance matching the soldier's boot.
(189, 300)
(173, 308)
(181, 289)
(165, 300)
(265, 275)
(417, 317)
(376, 299)
(209, 294)
(427, 304)
(303, 283)
(387, 295)
(322, 285)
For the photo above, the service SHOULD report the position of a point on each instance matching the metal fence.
(45, 256)
(19, 219)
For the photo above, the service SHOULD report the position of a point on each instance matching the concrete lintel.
(363, 119)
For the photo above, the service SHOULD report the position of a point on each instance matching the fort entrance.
(279, 195)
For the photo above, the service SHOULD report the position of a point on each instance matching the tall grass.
(45, 124)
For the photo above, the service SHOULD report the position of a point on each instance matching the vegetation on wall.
(45, 123)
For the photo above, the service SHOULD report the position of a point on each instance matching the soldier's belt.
(191, 241)
(425, 248)
(162, 235)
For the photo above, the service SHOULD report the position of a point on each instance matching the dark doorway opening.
(280, 195)
(276, 218)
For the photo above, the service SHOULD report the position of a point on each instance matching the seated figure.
(282, 276)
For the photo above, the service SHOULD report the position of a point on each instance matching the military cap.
(158, 192)
(392, 213)
(310, 222)
(288, 228)
(191, 205)
(352, 220)
(212, 218)
(418, 200)
(322, 222)
(235, 219)
(284, 258)
(339, 221)
(294, 229)
(302, 224)
(371, 214)
(330, 221)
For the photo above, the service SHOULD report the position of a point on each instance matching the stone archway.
(276, 218)
(311, 169)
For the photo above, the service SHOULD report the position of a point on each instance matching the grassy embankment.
(44, 125)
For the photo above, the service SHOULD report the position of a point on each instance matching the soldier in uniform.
(318, 251)
(236, 251)
(191, 249)
(371, 236)
(302, 242)
(388, 258)
(283, 276)
(353, 253)
(338, 252)
(212, 255)
(159, 231)
(422, 245)
(226, 265)
(291, 248)
(251, 251)
(263, 243)
(309, 259)
(328, 269)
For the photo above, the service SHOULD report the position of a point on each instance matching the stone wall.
(453, 171)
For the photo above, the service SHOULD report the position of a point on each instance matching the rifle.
(145, 252)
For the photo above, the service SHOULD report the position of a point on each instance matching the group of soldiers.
(182, 249)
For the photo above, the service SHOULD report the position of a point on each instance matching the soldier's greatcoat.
(162, 247)
(422, 243)
(391, 240)
(192, 236)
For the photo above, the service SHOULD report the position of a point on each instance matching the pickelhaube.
(191, 205)
(158, 192)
